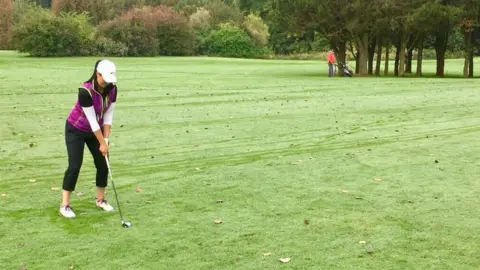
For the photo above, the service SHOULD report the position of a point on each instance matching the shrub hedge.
(145, 31)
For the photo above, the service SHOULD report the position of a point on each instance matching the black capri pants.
(75, 140)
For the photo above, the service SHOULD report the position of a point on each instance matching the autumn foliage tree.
(98, 10)
(151, 30)
(6, 22)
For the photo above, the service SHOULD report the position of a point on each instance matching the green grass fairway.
(307, 167)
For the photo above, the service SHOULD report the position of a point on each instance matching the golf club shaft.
(113, 185)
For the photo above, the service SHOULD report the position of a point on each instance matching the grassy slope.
(278, 141)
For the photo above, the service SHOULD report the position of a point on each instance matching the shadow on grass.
(88, 218)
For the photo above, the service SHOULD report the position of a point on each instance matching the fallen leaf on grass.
(358, 198)
(197, 169)
(306, 221)
(79, 194)
(345, 191)
(285, 260)
(23, 267)
(4, 194)
(378, 179)
(55, 188)
(218, 221)
(139, 189)
(219, 201)
(32, 180)
(20, 245)
(362, 242)
(71, 267)
(267, 254)
(148, 201)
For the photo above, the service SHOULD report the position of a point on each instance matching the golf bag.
(345, 69)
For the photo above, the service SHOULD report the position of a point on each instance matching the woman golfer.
(89, 123)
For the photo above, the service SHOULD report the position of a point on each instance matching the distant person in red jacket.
(331, 63)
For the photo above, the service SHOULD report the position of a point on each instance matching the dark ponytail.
(94, 75)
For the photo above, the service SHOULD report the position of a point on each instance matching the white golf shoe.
(104, 205)
(67, 211)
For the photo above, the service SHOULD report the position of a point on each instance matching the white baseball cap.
(108, 70)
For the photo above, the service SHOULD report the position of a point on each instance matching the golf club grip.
(108, 162)
(108, 165)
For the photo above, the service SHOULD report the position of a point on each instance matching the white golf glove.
(106, 140)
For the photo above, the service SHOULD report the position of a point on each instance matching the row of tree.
(366, 29)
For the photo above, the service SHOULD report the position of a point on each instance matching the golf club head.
(126, 224)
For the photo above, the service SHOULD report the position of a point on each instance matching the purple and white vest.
(78, 118)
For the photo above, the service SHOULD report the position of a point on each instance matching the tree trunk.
(387, 59)
(363, 63)
(410, 45)
(357, 65)
(408, 66)
(470, 71)
(440, 49)
(362, 44)
(341, 53)
(311, 38)
(440, 65)
(379, 56)
(420, 56)
(397, 57)
(401, 57)
(363, 69)
(371, 55)
(467, 35)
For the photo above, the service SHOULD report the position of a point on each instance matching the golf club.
(125, 224)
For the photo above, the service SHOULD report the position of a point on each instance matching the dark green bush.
(138, 38)
(176, 39)
(107, 47)
(41, 33)
(231, 41)
(202, 39)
